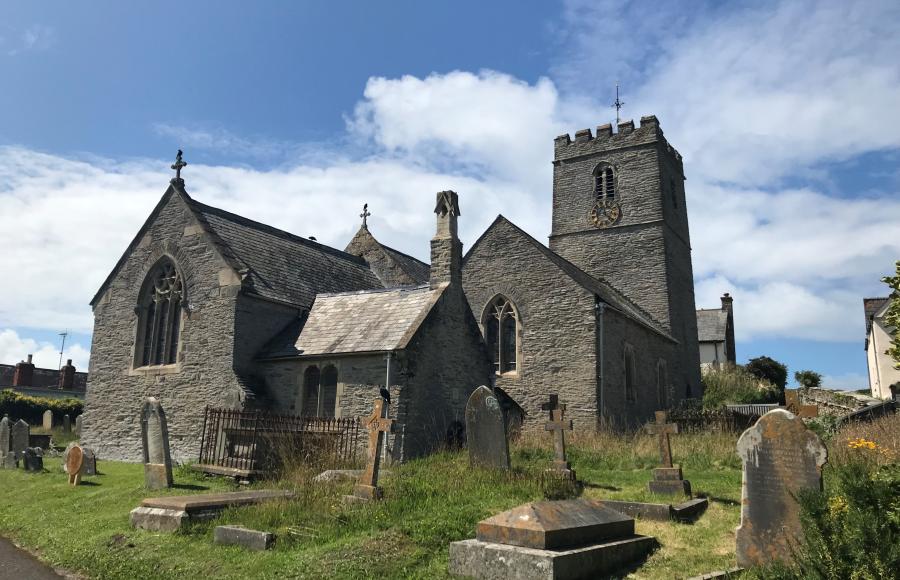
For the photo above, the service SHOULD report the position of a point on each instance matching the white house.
(884, 377)
(715, 333)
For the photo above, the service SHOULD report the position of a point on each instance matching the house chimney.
(24, 374)
(726, 301)
(67, 376)
(446, 249)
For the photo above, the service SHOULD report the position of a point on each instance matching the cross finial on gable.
(178, 165)
(365, 214)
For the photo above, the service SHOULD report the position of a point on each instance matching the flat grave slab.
(167, 514)
(661, 512)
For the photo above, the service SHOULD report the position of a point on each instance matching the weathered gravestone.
(781, 457)
(67, 424)
(667, 479)
(558, 426)
(378, 424)
(33, 459)
(74, 461)
(155, 438)
(48, 420)
(78, 420)
(7, 459)
(578, 538)
(486, 430)
(19, 433)
(88, 461)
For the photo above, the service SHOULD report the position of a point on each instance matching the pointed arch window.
(320, 392)
(605, 182)
(159, 326)
(630, 394)
(501, 334)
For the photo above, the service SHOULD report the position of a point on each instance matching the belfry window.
(160, 316)
(605, 182)
(501, 334)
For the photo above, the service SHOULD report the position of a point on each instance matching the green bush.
(31, 409)
(851, 530)
(735, 385)
(808, 379)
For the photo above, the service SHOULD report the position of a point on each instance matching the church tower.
(619, 214)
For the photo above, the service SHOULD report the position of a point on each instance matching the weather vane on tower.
(618, 104)
(178, 165)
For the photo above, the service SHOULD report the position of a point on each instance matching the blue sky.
(296, 113)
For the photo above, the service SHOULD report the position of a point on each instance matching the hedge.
(19, 406)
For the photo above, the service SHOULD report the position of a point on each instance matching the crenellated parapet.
(604, 139)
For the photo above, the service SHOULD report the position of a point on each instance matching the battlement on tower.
(586, 143)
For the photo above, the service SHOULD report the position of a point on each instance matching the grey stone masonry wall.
(257, 320)
(385, 267)
(646, 254)
(203, 373)
(557, 352)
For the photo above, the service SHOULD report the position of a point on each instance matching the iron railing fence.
(254, 443)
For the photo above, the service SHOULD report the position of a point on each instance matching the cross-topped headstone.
(663, 429)
(378, 424)
(178, 165)
(559, 426)
(365, 214)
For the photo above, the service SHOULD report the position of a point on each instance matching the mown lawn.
(428, 503)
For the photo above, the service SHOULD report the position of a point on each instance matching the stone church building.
(208, 308)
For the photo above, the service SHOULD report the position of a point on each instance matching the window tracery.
(501, 330)
(160, 316)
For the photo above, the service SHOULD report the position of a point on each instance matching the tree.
(892, 316)
(808, 379)
(767, 369)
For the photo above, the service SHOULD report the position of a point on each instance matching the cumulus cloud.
(14, 348)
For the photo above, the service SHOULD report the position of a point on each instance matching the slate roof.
(280, 265)
(417, 269)
(712, 325)
(601, 288)
(871, 306)
(356, 322)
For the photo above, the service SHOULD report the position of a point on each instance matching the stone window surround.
(299, 398)
(136, 368)
(629, 372)
(598, 172)
(486, 312)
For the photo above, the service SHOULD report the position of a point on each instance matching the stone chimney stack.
(727, 301)
(67, 376)
(24, 374)
(446, 249)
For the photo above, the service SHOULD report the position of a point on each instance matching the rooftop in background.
(712, 325)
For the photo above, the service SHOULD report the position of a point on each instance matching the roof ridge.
(375, 290)
(237, 218)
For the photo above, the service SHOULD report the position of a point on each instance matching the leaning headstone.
(667, 479)
(74, 460)
(155, 439)
(781, 457)
(558, 425)
(19, 433)
(486, 430)
(378, 424)
(33, 459)
(67, 424)
(48, 420)
(578, 538)
(78, 420)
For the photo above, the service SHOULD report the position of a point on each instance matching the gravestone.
(19, 433)
(89, 463)
(558, 425)
(78, 420)
(486, 430)
(667, 479)
(578, 538)
(33, 459)
(67, 424)
(4, 436)
(9, 461)
(781, 457)
(48, 420)
(378, 424)
(155, 439)
(74, 462)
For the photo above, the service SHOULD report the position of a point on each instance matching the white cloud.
(846, 381)
(37, 37)
(14, 348)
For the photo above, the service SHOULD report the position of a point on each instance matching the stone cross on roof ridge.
(365, 214)
(178, 165)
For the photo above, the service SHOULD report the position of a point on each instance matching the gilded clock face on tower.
(605, 213)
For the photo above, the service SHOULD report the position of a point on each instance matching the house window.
(501, 334)
(662, 384)
(630, 395)
(319, 392)
(605, 182)
(159, 316)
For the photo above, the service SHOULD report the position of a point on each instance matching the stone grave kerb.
(378, 425)
(558, 425)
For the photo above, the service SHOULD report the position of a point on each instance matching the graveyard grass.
(428, 503)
